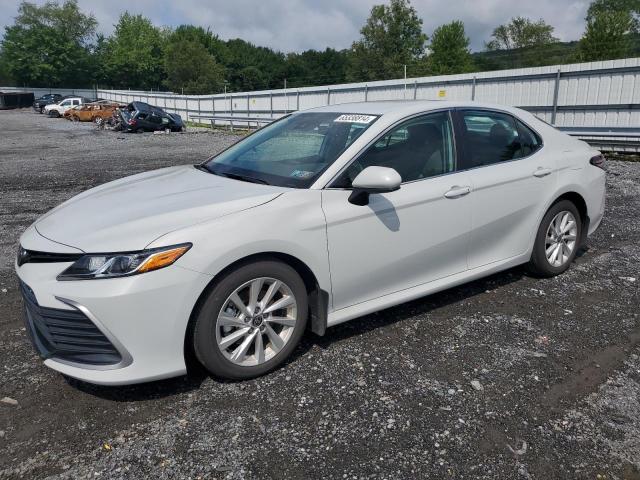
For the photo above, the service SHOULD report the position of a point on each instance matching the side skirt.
(348, 313)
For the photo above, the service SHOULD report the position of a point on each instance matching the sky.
(296, 25)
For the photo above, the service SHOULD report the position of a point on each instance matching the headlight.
(112, 265)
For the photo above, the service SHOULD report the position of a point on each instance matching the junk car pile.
(135, 117)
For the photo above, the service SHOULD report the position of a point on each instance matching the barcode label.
(354, 118)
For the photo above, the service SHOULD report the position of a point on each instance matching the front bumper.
(144, 317)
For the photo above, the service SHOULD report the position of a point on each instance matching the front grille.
(66, 334)
(32, 256)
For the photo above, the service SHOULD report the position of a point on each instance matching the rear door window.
(155, 118)
(494, 137)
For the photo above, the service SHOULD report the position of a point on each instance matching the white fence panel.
(598, 94)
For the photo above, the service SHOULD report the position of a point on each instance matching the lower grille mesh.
(66, 334)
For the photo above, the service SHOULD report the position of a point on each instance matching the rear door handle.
(457, 192)
(542, 172)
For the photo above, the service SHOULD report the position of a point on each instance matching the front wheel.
(557, 240)
(251, 320)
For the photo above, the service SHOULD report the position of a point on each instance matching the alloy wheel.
(561, 238)
(256, 321)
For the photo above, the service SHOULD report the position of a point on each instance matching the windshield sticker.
(301, 174)
(355, 118)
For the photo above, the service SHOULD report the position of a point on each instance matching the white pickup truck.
(58, 109)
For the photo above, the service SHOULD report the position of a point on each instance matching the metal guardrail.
(231, 119)
(617, 139)
(608, 139)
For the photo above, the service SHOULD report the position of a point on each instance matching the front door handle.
(542, 172)
(457, 192)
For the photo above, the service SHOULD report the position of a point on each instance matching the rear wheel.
(251, 320)
(557, 240)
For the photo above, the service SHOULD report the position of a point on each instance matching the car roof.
(145, 107)
(407, 107)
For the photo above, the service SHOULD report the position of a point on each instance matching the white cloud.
(294, 25)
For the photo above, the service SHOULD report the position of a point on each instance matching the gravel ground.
(507, 377)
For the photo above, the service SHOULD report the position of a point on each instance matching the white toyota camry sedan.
(320, 217)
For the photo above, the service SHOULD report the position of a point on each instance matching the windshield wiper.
(244, 178)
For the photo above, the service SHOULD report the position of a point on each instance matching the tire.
(41, 110)
(140, 130)
(540, 263)
(214, 343)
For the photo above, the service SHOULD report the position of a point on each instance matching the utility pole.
(226, 110)
(286, 103)
(405, 83)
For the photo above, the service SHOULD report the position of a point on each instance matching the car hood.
(128, 214)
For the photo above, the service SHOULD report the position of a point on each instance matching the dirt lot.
(388, 395)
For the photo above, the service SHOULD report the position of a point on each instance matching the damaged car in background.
(141, 117)
(97, 112)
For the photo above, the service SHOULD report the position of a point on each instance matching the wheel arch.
(578, 200)
(573, 194)
(318, 298)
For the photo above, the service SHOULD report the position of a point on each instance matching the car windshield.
(293, 151)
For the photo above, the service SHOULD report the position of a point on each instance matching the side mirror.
(374, 180)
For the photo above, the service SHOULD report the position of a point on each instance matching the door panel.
(506, 207)
(512, 178)
(401, 239)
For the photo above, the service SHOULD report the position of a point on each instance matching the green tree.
(49, 45)
(133, 55)
(313, 67)
(602, 6)
(206, 38)
(521, 32)
(5, 78)
(192, 69)
(607, 36)
(251, 78)
(391, 38)
(450, 50)
(269, 63)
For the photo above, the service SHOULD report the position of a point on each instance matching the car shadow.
(155, 390)
(196, 374)
(405, 311)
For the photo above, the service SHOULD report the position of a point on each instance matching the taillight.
(132, 121)
(598, 161)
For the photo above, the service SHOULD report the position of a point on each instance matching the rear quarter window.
(530, 141)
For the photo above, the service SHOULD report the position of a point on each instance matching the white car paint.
(403, 245)
(63, 105)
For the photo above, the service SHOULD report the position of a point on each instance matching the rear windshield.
(294, 151)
